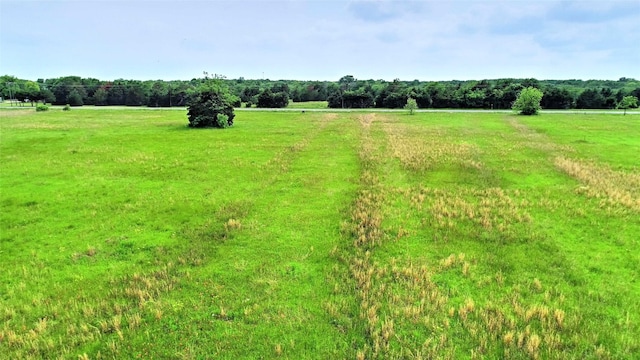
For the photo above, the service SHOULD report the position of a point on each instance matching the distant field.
(125, 234)
(308, 105)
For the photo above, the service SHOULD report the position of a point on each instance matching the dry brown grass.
(85, 318)
(402, 297)
(601, 182)
(493, 209)
(419, 152)
(328, 118)
(366, 119)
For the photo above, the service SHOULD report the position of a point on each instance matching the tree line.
(347, 92)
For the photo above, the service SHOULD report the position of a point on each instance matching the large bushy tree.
(211, 104)
(528, 101)
(100, 97)
(158, 94)
(249, 94)
(271, 99)
(136, 94)
(557, 98)
(357, 99)
(62, 88)
(590, 99)
(74, 98)
(46, 96)
(116, 94)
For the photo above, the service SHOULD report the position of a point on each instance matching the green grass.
(308, 105)
(126, 234)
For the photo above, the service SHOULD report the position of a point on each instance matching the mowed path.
(267, 287)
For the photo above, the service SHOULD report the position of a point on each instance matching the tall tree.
(27, 91)
(101, 97)
(136, 94)
(74, 98)
(159, 94)
(63, 86)
(590, 99)
(46, 95)
(556, 98)
(116, 93)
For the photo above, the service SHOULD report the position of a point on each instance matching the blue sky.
(321, 40)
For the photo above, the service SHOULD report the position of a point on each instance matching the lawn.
(308, 105)
(126, 234)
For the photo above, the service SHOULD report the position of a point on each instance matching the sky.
(321, 39)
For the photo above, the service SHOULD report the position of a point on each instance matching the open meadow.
(319, 235)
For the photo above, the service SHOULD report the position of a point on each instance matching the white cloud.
(322, 39)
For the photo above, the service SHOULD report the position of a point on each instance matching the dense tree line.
(347, 92)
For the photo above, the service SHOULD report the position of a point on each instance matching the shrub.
(42, 108)
(223, 121)
(528, 101)
(269, 99)
(66, 107)
(211, 105)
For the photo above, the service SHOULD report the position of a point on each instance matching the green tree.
(74, 98)
(357, 99)
(32, 91)
(528, 101)
(411, 105)
(250, 94)
(269, 99)
(46, 96)
(393, 96)
(423, 99)
(101, 97)
(62, 87)
(116, 93)
(136, 94)
(265, 99)
(8, 86)
(556, 98)
(628, 102)
(208, 102)
(590, 99)
(280, 99)
(159, 94)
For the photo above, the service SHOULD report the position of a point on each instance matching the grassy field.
(125, 234)
(308, 105)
